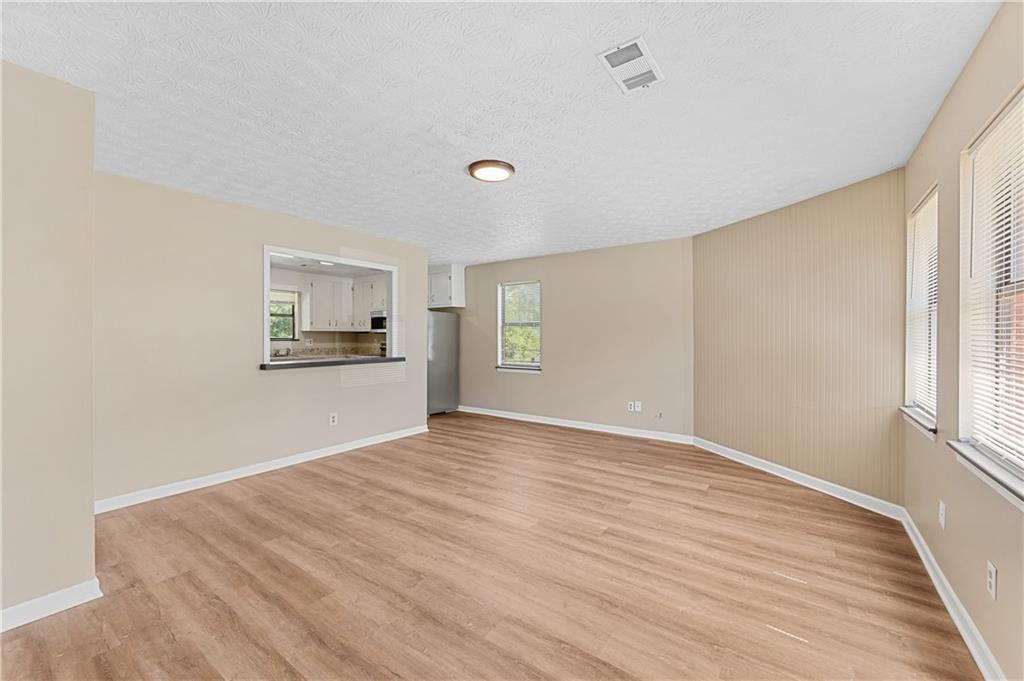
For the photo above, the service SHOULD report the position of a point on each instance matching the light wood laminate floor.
(492, 549)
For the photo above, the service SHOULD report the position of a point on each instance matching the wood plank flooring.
(492, 549)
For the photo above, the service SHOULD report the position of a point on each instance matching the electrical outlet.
(309, 342)
(991, 579)
(630, 406)
(332, 418)
(942, 514)
(638, 406)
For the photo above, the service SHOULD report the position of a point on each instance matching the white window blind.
(992, 290)
(519, 325)
(922, 306)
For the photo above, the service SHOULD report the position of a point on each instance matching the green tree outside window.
(520, 324)
(282, 315)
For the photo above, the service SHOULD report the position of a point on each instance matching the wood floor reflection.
(493, 549)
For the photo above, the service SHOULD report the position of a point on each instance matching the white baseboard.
(170, 489)
(861, 499)
(582, 425)
(50, 604)
(983, 656)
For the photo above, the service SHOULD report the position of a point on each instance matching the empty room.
(512, 341)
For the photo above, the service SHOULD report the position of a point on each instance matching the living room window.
(922, 312)
(519, 325)
(992, 300)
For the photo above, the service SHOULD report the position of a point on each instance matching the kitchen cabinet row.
(343, 304)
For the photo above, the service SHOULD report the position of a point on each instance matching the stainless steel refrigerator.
(442, 362)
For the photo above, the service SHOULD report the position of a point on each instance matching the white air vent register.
(631, 65)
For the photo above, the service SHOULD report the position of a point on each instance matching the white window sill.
(917, 418)
(993, 473)
(518, 370)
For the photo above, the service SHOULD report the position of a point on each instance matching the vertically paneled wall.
(798, 335)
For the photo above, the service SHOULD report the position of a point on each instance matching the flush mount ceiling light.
(489, 170)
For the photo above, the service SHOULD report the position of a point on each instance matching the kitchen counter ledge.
(308, 362)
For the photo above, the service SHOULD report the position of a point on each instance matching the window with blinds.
(992, 291)
(519, 325)
(923, 308)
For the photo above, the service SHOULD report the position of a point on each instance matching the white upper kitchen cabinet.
(326, 304)
(317, 304)
(379, 293)
(369, 294)
(362, 291)
(343, 304)
(446, 286)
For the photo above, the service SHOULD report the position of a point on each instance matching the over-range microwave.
(378, 321)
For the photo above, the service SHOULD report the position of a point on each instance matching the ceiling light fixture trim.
(491, 170)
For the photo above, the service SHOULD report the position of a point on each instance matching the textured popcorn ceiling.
(365, 116)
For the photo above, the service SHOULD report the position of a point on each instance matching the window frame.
(294, 315)
(502, 365)
(996, 469)
(918, 414)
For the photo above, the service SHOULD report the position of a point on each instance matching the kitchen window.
(282, 315)
(992, 302)
(922, 313)
(519, 326)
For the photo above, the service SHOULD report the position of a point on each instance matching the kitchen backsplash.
(329, 344)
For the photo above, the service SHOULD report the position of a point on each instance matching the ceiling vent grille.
(631, 65)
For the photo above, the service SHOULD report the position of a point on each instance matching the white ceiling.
(365, 115)
(299, 264)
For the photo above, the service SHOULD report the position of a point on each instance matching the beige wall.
(980, 524)
(798, 318)
(616, 326)
(795, 317)
(47, 328)
(178, 341)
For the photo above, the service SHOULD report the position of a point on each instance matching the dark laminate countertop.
(308, 362)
